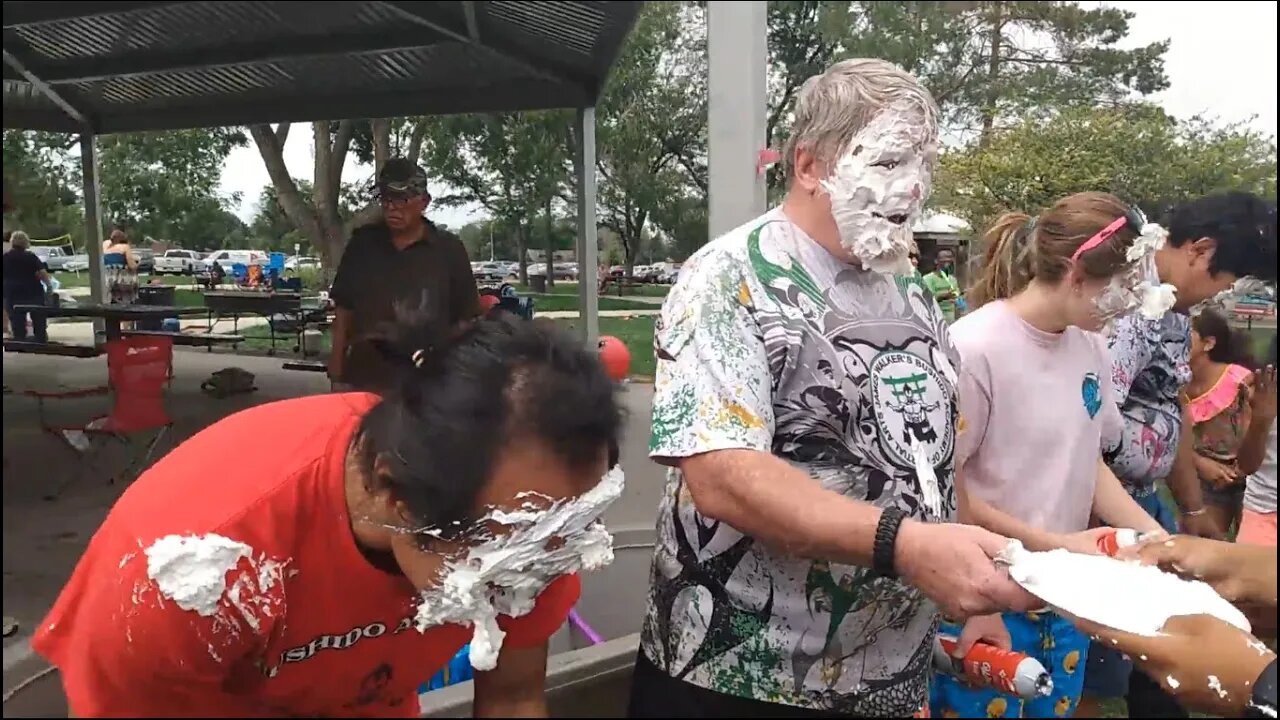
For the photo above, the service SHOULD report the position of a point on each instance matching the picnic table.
(288, 309)
(113, 315)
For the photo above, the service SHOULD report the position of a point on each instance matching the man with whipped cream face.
(380, 536)
(805, 403)
(1211, 243)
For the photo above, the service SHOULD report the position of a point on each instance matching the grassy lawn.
(571, 288)
(569, 302)
(635, 332)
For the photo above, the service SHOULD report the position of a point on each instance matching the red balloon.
(487, 303)
(615, 356)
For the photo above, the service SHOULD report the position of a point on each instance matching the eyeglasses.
(396, 202)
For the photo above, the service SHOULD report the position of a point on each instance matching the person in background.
(1209, 665)
(942, 283)
(328, 550)
(805, 407)
(403, 259)
(25, 280)
(1218, 401)
(1037, 409)
(1257, 459)
(121, 265)
(5, 308)
(1212, 242)
(914, 257)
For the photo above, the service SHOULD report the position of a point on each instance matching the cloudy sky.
(1221, 62)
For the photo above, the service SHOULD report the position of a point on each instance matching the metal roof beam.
(507, 96)
(45, 89)
(412, 11)
(17, 14)
(469, 12)
(143, 63)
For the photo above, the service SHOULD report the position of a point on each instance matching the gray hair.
(19, 239)
(832, 107)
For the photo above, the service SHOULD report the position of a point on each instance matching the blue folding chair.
(275, 262)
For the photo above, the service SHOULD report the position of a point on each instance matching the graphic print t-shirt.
(771, 344)
(304, 627)
(1150, 363)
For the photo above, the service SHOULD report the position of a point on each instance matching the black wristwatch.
(1263, 702)
(886, 539)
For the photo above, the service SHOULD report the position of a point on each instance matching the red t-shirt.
(333, 637)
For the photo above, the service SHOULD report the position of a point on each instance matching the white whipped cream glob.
(879, 185)
(504, 574)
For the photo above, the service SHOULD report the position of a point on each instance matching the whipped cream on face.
(1118, 594)
(1138, 288)
(504, 574)
(878, 187)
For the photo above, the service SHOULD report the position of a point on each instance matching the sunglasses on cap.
(1132, 218)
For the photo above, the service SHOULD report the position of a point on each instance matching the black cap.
(400, 176)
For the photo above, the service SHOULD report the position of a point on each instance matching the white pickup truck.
(177, 262)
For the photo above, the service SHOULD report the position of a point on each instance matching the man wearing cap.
(402, 260)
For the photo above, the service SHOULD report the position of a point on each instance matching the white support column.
(92, 222)
(588, 248)
(737, 46)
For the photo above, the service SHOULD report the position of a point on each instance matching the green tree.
(164, 184)
(42, 181)
(1136, 151)
(652, 123)
(983, 61)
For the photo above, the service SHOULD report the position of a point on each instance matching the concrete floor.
(43, 539)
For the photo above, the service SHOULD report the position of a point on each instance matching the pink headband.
(1100, 237)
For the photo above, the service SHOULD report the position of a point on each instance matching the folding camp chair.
(138, 369)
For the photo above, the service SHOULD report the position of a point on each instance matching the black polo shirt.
(374, 278)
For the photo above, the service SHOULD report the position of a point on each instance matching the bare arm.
(765, 497)
(1116, 507)
(1262, 421)
(1253, 448)
(516, 687)
(976, 511)
(340, 338)
(1183, 479)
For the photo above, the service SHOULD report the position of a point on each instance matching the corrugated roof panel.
(212, 82)
(147, 57)
(572, 25)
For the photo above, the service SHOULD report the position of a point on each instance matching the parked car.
(177, 262)
(566, 270)
(491, 270)
(299, 262)
(146, 259)
(54, 257)
(228, 258)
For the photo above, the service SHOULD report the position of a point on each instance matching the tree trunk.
(996, 40)
(381, 142)
(304, 218)
(550, 242)
(522, 246)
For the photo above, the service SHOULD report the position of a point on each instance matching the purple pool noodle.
(592, 636)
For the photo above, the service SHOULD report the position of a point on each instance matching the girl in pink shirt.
(1036, 407)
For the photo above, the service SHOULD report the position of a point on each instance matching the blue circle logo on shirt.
(1091, 393)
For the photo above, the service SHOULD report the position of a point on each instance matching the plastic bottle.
(988, 666)
(1112, 542)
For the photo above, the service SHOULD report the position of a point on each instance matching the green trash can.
(538, 283)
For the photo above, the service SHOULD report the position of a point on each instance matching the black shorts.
(655, 694)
